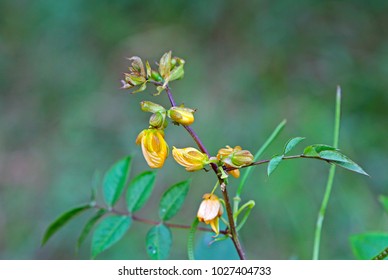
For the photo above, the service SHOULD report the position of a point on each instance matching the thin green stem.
(329, 184)
(259, 153)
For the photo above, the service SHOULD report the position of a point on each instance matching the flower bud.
(224, 152)
(181, 115)
(137, 75)
(242, 157)
(210, 210)
(148, 106)
(158, 120)
(156, 76)
(235, 157)
(190, 158)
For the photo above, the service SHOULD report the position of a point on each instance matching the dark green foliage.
(158, 242)
(89, 226)
(366, 246)
(115, 180)
(139, 190)
(109, 232)
(173, 199)
(273, 164)
(62, 220)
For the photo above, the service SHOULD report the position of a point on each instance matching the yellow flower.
(190, 158)
(182, 115)
(154, 147)
(210, 210)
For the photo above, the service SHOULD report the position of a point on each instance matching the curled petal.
(190, 158)
(153, 146)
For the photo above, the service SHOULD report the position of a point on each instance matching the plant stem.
(232, 226)
(274, 134)
(201, 146)
(284, 158)
(329, 184)
(152, 222)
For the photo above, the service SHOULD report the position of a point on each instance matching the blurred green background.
(249, 64)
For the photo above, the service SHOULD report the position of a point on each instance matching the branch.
(152, 222)
(268, 160)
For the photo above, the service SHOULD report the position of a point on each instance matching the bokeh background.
(249, 64)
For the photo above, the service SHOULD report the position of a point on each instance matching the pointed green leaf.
(158, 242)
(89, 226)
(367, 245)
(165, 65)
(172, 200)
(273, 164)
(141, 88)
(310, 152)
(109, 232)
(61, 221)
(139, 190)
(314, 150)
(292, 143)
(341, 160)
(115, 180)
(177, 73)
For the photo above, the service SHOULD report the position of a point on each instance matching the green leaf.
(292, 143)
(89, 226)
(273, 164)
(141, 88)
(314, 150)
(165, 65)
(158, 242)
(109, 232)
(384, 201)
(139, 190)
(115, 180)
(62, 220)
(172, 200)
(177, 73)
(341, 160)
(367, 245)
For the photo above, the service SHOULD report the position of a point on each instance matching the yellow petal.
(215, 225)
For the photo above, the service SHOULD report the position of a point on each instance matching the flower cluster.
(153, 144)
(170, 69)
(154, 147)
